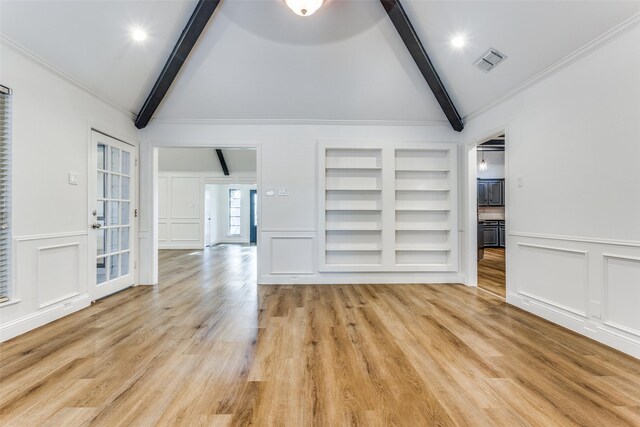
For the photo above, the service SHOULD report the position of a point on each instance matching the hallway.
(208, 347)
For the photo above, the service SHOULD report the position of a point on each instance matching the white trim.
(578, 325)
(552, 248)
(553, 304)
(361, 279)
(50, 236)
(64, 75)
(605, 301)
(611, 242)
(299, 122)
(575, 56)
(42, 317)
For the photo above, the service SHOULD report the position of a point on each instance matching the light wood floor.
(491, 272)
(207, 347)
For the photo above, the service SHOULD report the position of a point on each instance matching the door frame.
(471, 277)
(148, 179)
(134, 200)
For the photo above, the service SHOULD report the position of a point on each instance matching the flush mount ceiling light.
(458, 41)
(138, 34)
(304, 7)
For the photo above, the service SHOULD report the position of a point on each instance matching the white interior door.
(111, 213)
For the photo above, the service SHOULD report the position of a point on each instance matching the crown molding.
(575, 56)
(299, 122)
(63, 74)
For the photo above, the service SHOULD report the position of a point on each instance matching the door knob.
(96, 226)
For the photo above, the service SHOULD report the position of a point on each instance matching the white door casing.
(111, 215)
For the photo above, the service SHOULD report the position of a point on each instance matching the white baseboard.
(359, 279)
(625, 343)
(42, 317)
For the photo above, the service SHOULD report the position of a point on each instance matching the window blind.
(5, 190)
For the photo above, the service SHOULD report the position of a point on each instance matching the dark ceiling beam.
(223, 163)
(408, 35)
(192, 31)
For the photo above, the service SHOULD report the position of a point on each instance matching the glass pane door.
(113, 213)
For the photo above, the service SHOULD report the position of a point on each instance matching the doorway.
(491, 219)
(253, 217)
(111, 215)
(207, 208)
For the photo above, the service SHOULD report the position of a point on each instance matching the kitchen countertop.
(490, 217)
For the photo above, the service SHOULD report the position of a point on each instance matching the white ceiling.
(259, 61)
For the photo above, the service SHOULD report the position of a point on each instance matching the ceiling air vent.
(489, 60)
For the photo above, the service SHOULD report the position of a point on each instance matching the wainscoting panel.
(50, 280)
(185, 232)
(58, 273)
(622, 293)
(180, 210)
(163, 235)
(186, 193)
(292, 255)
(591, 286)
(554, 275)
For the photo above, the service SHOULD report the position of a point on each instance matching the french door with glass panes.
(111, 225)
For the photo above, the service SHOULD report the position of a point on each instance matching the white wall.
(573, 226)
(52, 119)
(181, 210)
(287, 158)
(495, 165)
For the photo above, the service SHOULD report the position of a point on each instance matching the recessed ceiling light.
(458, 41)
(138, 34)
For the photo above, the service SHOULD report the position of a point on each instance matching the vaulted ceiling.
(259, 61)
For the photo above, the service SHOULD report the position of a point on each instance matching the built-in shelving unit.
(388, 208)
(353, 206)
(423, 197)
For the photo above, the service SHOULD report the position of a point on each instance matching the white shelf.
(423, 189)
(353, 189)
(347, 228)
(354, 209)
(422, 170)
(351, 248)
(353, 168)
(404, 227)
(423, 209)
(417, 248)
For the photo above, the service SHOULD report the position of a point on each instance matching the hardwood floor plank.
(492, 272)
(208, 347)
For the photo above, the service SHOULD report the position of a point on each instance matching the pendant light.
(304, 7)
(483, 164)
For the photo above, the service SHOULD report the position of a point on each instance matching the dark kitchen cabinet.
(491, 192)
(493, 234)
(483, 194)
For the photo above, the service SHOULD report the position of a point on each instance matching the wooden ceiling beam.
(192, 31)
(408, 35)
(222, 161)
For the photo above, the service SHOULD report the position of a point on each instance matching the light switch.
(269, 193)
(73, 178)
(282, 191)
(520, 182)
